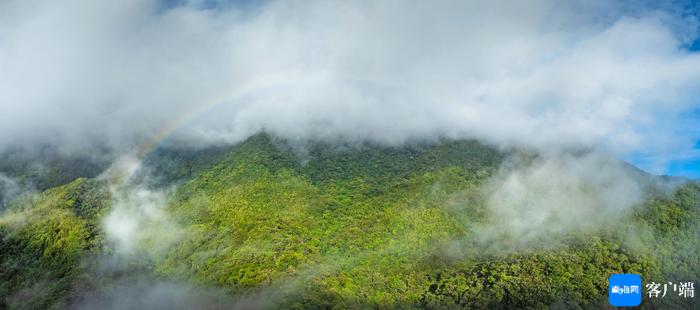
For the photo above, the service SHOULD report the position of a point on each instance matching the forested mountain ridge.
(271, 224)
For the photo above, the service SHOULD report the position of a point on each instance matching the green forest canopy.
(352, 227)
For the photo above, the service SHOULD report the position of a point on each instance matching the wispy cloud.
(540, 74)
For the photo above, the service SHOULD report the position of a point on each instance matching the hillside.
(271, 224)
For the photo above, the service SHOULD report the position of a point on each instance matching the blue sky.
(617, 76)
(689, 164)
(688, 168)
(686, 163)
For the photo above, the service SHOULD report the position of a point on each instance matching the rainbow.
(124, 168)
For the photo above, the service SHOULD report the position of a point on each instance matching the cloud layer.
(536, 74)
(539, 203)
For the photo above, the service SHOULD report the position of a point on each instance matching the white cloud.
(536, 204)
(138, 222)
(9, 190)
(537, 74)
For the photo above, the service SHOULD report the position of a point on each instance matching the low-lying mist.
(105, 85)
(532, 202)
(537, 204)
(9, 190)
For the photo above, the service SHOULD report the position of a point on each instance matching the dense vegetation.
(39, 170)
(328, 225)
(42, 241)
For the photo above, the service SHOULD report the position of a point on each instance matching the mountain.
(46, 167)
(272, 224)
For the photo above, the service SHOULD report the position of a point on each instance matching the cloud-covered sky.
(543, 74)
